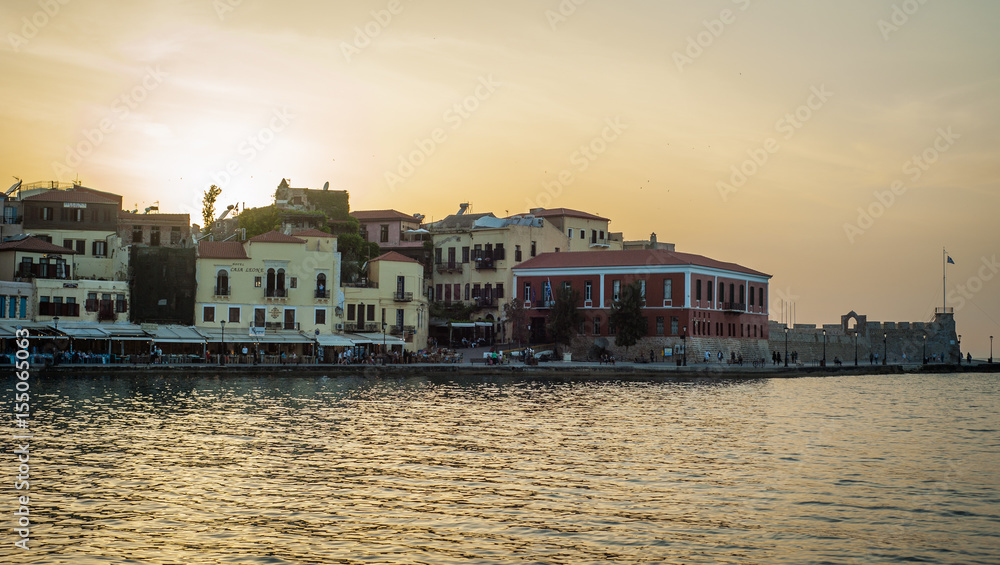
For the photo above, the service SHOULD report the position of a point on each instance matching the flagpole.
(944, 281)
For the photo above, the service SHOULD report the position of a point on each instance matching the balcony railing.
(449, 267)
(400, 330)
(273, 326)
(322, 293)
(544, 304)
(486, 302)
(369, 327)
(402, 296)
(65, 309)
(223, 291)
(485, 264)
(275, 293)
(734, 306)
(42, 271)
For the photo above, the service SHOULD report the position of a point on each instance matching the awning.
(484, 324)
(125, 332)
(284, 338)
(334, 340)
(462, 324)
(84, 332)
(177, 334)
(359, 338)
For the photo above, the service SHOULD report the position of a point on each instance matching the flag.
(950, 261)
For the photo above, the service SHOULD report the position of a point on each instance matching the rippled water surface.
(148, 469)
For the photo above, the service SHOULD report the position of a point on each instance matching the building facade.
(390, 300)
(690, 300)
(585, 231)
(395, 231)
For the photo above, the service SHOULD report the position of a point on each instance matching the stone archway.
(859, 322)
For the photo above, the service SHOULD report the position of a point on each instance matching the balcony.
(43, 271)
(402, 296)
(369, 327)
(544, 304)
(400, 330)
(449, 267)
(485, 264)
(734, 306)
(276, 296)
(223, 291)
(275, 326)
(65, 309)
(486, 302)
(322, 294)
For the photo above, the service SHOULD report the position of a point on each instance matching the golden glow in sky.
(836, 145)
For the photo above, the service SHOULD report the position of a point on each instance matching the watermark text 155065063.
(22, 408)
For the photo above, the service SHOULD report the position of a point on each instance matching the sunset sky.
(745, 130)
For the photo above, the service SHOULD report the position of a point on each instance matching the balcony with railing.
(368, 327)
(321, 294)
(449, 267)
(544, 304)
(223, 291)
(485, 264)
(734, 306)
(43, 271)
(400, 330)
(486, 302)
(402, 296)
(275, 326)
(275, 295)
(65, 309)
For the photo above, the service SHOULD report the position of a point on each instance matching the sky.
(838, 146)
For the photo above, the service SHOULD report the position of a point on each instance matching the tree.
(259, 220)
(516, 316)
(564, 318)
(208, 206)
(626, 317)
(354, 251)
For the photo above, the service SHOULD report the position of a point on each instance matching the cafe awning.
(333, 340)
(362, 338)
(176, 334)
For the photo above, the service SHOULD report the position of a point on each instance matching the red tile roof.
(394, 256)
(221, 250)
(630, 258)
(34, 245)
(553, 212)
(153, 218)
(275, 237)
(383, 215)
(312, 232)
(71, 195)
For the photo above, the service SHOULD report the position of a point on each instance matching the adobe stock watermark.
(120, 109)
(580, 159)
(251, 147)
(699, 42)
(913, 168)
(788, 125)
(22, 414)
(365, 34)
(562, 12)
(453, 117)
(224, 7)
(31, 26)
(899, 17)
(972, 286)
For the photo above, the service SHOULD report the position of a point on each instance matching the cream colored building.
(586, 232)
(272, 289)
(390, 300)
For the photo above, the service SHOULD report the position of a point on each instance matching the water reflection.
(435, 469)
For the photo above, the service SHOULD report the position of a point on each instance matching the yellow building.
(389, 306)
(586, 232)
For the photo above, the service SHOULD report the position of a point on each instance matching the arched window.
(222, 283)
(760, 294)
(269, 290)
(468, 291)
(321, 291)
(709, 288)
(279, 282)
(751, 296)
(742, 295)
(722, 292)
(732, 292)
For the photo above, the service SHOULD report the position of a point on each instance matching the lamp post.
(222, 344)
(684, 332)
(991, 350)
(855, 347)
(885, 348)
(786, 346)
(383, 343)
(924, 360)
(959, 349)
(824, 347)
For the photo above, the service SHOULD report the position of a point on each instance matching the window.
(437, 292)
(100, 249)
(597, 326)
(451, 255)
(477, 253)
(668, 289)
(320, 316)
(674, 325)
(222, 283)
(154, 236)
(47, 214)
(399, 318)
(321, 291)
(234, 314)
(557, 250)
(583, 233)
(498, 252)
(447, 293)
(533, 248)
(68, 243)
(708, 287)
(588, 290)
(732, 292)
(593, 236)
(476, 291)
(602, 235)
(121, 305)
(499, 291)
(642, 290)
(616, 290)
(437, 255)
(257, 282)
(383, 233)
(722, 292)
(751, 296)
(90, 305)
(742, 295)
(697, 289)
(350, 312)
(371, 311)
(567, 285)
(293, 282)
(527, 292)
(465, 254)
(175, 235)
(517, 253)
(467, 290)
(258, 317)
(208, 314)
(458, 291)
(760, 296)
(659, 325)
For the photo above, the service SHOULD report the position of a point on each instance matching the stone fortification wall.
(893, 339)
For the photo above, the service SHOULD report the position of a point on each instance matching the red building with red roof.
(708, 304)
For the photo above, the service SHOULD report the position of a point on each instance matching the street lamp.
(959, 349)
(824, 347)
(786, 346)
(383, 343)
(991, 350)
(222, 344)
(924, 360)
(684, 336)
(855, 347)
(885, 348)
